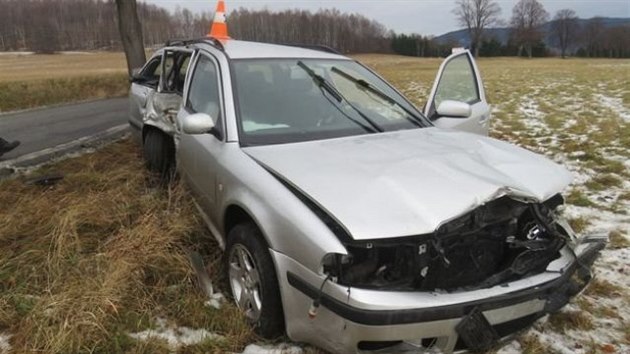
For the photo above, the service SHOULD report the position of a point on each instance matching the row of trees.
(348, 33)
(528, 29)
(416, 45)
(597, 40)
(55, 25)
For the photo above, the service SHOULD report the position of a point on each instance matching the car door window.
(150, 75)
(181, 75)
(203, 93)
(176, 66)
(458, 82)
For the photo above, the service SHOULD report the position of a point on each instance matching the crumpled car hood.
(409, 182)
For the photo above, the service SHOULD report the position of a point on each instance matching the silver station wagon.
(351, 219)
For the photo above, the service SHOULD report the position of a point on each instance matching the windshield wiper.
(364, 85)
(324, 84)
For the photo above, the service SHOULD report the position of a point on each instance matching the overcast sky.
(420, 16)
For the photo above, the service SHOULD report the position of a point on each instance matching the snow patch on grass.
(555, 342)
(532, 117)
(17, 53)
(511, 348)
(615, 104)
(5, 346)
(176, 337)
(283, 348)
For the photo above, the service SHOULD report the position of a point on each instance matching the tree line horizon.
(64, 25)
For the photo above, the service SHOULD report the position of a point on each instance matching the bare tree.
(616, 41)
(592, 36)
(564, 29)
(528, 16)
(131, 34)
(477, 15)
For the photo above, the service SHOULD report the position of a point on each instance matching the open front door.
(458, 100)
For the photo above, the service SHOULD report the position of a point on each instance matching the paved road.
(47, 128)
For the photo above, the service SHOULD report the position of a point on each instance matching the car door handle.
(484, 118)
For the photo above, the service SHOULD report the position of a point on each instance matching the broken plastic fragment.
(47, 180)
(215, 301)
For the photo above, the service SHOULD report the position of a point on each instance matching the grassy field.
(92, 263)
(38, 80)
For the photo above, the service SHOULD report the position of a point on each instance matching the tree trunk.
(131, 34)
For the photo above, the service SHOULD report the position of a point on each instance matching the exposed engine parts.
(498, 242)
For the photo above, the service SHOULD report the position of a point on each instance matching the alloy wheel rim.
(245, 282)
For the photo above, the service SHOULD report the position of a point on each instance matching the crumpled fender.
(161, 111)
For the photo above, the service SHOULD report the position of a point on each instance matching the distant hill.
(502, 34)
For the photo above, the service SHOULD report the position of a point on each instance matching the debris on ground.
(47, 180)
(205, 283)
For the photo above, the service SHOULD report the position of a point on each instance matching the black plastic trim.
(407, 316)
(186, 42)
(317, 47)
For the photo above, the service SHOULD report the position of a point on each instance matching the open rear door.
(458, 100)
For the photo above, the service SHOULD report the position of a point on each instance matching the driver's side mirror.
(198, 123)
(136, 75)
(454, 109)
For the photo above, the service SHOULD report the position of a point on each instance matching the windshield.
(293, 100)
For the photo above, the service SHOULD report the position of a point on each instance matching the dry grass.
(102, 254)
(37, 93)
(38, 80)
(60, 66)
(603, 288)
(530, 344)
(575, 320)
(579, 224)
(578, 198)
(617, 240)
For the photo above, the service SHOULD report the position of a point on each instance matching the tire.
(159, 154)
(246, 240)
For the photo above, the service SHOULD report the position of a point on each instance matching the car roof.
(236, 49)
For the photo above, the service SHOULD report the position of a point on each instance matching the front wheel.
(253, 280)
(159, 154)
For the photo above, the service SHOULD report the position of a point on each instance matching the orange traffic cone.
(219, 27)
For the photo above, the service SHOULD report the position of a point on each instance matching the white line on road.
(64, 148)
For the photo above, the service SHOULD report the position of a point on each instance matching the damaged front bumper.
(356, 320)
